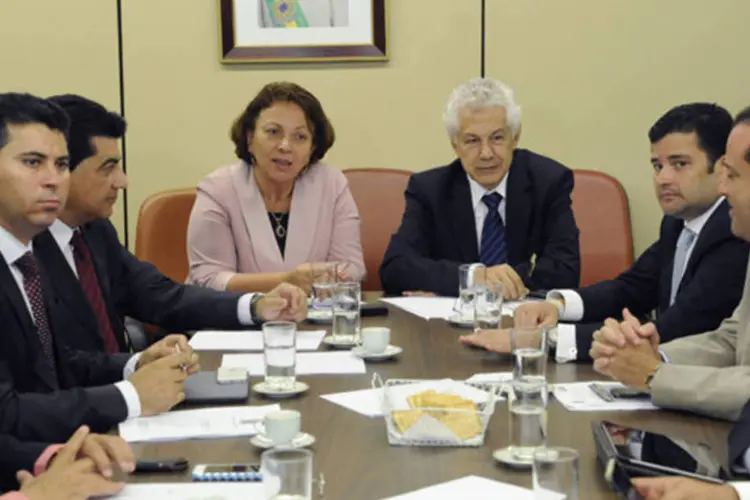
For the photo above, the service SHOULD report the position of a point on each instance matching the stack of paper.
(471, 486)
(230, 421)
(578, 396)
(192, 491)
(425, 307)
(491, 378)
(308, 363)
(216, 340)
(369, 402)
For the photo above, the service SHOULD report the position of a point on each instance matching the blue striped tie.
(493, 251)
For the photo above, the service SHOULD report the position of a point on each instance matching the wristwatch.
(253, 309)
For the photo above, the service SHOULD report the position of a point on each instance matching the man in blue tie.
(499, 205)
(692, 276)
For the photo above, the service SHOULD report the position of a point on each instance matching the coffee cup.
(375, 339)
(282, 426)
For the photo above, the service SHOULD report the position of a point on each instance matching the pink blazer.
(229, 230)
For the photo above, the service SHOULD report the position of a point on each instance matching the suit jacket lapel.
(461, 214)
(265, 249)
(303, 219)
(13, 295)
(65, 283)
(518, 205)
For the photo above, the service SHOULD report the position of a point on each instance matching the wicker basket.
(444, 436)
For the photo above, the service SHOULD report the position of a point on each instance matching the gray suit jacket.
(709, 373)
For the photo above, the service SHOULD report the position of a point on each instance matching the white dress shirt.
(573, 309)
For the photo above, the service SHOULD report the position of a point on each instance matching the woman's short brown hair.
(323, 134)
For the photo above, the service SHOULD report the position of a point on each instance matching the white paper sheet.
(491, 378)
(218, 340)
(578, 396)
(440, 307)
(308, 363)
(192, 491)
(369, 402)
(471, 486)
(230, 421)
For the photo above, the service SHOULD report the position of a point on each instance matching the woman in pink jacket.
(278, 214)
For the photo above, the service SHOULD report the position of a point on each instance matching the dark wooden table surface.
(352, 450)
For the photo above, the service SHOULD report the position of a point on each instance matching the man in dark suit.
(96, 455)
(692, 276)
(100, 282)
(508, 208)
(47, 389)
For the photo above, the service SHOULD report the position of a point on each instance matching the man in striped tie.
(496, 204)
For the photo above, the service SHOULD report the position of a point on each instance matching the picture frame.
(273, 31)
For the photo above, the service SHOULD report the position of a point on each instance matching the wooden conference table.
(352, 450)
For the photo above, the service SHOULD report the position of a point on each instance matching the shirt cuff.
(742, 488)
(131, 366)
(130, 395)
(664, 357)
(567, 349)
(243, 309)
(573, 309)
(43, 461)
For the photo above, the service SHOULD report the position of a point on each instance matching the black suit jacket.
(438, 231)
(17, 455)
(36, 406)
(130, 288)
(710, 289)
(739, 438)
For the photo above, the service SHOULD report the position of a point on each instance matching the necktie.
(493, 250)
(90, 284)
(32, 285)
(684, 242)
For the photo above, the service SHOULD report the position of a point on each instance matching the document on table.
(369, 402)
(308, 363)
(192, 491)
(217, 340)
(473, 486)
(229, 421)
(578, 396)
(491, 378)
(439, 307)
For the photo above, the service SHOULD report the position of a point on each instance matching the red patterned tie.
(32, 285)
(90, 284)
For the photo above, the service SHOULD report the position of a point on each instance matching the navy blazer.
(710, 289)
(130, 288)
(438, 230)
(17, 455)
(34, 404)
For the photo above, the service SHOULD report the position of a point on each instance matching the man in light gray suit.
(707, 373)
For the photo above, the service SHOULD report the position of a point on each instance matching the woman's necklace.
(279, 228)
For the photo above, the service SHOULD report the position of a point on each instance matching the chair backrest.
(600, 206)
(161, 233)
(379, 194)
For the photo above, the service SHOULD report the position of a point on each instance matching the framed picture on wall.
(264, 31)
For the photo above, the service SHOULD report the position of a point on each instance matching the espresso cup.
(282, 426)
(375, 339)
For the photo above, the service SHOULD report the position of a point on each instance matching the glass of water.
(555, 474)
(527, 402)
(280, 354)
(346, 303)
(529, 348)
(287, 474)
(467, 287)
(324, 277)
(488, 306)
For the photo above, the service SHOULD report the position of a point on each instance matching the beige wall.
(54, 47)
(180, 101)
(592, 79)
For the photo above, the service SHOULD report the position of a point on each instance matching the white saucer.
(504, 456)
(274, 392)
(340, 344)
(390, 351)
(461, 321)
(303, 440)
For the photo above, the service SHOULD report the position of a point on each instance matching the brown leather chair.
(161, 233)
(379, 194)
(600, 206)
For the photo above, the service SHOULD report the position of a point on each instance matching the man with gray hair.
(502, 206)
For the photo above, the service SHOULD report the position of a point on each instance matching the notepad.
(471, 486)
(308, 363)
(230, 421)
(218, 340)
(192, 491)
(440, 307)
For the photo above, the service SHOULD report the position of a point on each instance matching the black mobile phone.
(162, 465)
(629, 393)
